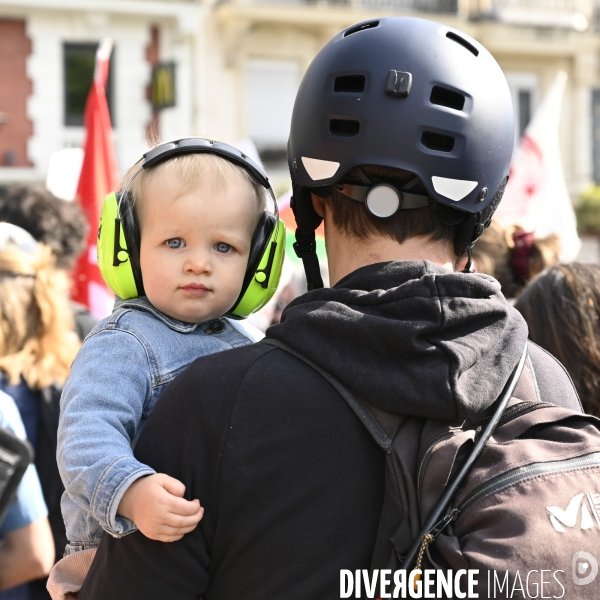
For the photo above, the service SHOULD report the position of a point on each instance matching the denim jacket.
(118, 375)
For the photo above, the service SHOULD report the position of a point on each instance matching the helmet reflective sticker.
(455, 189)
(320, 169)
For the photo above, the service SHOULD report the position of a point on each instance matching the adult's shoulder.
(554, 382)
(235, 362)
(214, 380)
(261, 362)
(211, 385)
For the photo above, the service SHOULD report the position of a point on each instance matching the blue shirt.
(29, 505)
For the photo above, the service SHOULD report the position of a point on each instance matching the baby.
(199, 217)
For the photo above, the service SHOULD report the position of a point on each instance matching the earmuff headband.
(168, 150)
(200, 145)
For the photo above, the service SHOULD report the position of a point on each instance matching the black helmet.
(411, 94)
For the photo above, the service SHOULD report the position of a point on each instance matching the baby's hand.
(155, 504)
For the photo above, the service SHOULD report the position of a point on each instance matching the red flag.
(98, 177)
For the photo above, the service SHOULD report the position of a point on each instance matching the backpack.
(45, 457)
(15, 456)
(507, 506)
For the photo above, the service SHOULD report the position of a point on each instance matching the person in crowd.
(291, 482)
(514, 256)
(196, 215)
(295, 287)
(562, 310)
(59, 224)
(37, 346)
(26, 544)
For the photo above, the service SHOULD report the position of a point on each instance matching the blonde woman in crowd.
(37, 346)
(58, 224)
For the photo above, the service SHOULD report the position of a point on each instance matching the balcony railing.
(568, 14)
(439, 6)
(433, 6)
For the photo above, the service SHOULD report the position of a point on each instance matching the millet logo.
(590, 512)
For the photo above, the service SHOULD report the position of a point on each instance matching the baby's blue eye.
(175, 243)
(223, 247)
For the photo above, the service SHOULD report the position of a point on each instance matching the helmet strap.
(305, 247)
(469, 267)
(407, 201)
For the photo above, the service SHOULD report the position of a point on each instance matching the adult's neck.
(347, 253)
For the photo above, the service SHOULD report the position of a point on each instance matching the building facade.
(531, 39)
(237, 65)
(46, 61)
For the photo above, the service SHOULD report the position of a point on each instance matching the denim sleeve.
(101, 409)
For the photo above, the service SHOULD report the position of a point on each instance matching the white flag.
(536, 196)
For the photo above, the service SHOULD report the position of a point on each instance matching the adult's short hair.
(57, 223)
(352, 218)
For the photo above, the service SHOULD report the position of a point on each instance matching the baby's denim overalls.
(122, 368)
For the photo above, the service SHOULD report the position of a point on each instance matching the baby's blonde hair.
(188, 170)
(37, 338)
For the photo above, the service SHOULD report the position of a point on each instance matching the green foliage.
(588, 211)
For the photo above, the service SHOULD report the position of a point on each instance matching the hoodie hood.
(410, 337)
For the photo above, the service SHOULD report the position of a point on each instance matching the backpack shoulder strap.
(527, 388)
(435, 523)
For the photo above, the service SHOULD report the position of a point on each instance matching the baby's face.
(195, 247)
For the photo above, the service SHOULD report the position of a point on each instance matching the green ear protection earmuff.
(119, 233)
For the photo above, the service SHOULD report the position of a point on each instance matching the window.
(524, 115)
(271, 87)
(79, 62)
(524, 91)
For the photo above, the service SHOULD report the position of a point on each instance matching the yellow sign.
(163, 85)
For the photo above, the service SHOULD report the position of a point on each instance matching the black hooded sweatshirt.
(291, 482)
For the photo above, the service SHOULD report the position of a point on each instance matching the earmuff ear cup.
(264, 267)
(258, 245)
(133, 238)
(117, 262)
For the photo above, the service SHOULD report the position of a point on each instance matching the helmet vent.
(361, 27)
(448, 98)
(437, 141)
(344, 127)
(456, 38)
(349, 83)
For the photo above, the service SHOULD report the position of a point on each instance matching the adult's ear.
(319, 205)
